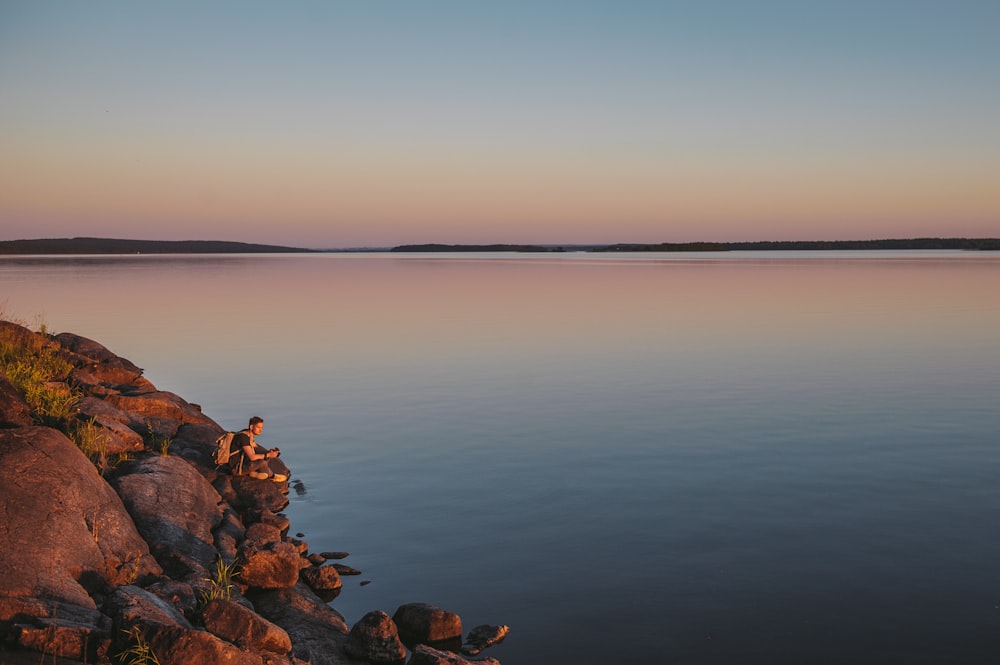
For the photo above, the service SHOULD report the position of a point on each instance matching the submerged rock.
(482, 637)
(425, 655)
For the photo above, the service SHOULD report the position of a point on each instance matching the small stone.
(316, 559)
(345, 570)
(335, 555)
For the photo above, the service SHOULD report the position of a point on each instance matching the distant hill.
(433, 247)
(907, 243)
(117, 246)
(781, 245)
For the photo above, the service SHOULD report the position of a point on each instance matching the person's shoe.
(279, 477)
(259, 475)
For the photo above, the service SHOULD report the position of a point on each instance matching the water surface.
(702, 458)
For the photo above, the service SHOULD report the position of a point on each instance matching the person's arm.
(252, 454)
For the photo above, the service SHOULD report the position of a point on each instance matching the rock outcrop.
(143, 545)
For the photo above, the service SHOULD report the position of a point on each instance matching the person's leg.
(259, 469)
(279, 472)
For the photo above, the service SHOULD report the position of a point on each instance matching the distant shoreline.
(785, 245)
(120, 246)
(102, 246)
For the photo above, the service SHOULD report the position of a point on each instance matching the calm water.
(756, 458)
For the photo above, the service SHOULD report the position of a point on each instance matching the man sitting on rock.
(253, 459)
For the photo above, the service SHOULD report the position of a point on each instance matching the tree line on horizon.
(764, 245)
(63, 246)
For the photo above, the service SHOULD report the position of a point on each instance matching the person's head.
(256, 424)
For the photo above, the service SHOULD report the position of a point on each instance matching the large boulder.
(110, 424)
(139, 615)
(72, 633)
(159, 412)
(99, 365)
(243, 627)
(195, 442)
(253, 497)
(318, 632)
(176, 510)
(269, 565)
(65, 533)
(422, 623)
(374, 638)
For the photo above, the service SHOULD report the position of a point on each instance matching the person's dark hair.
(255, 420)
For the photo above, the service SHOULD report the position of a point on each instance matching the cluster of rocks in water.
(138, 560)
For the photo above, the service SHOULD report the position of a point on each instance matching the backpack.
(221, 453)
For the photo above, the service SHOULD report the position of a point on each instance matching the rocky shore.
(124, 543)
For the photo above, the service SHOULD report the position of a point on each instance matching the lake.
(661, 458)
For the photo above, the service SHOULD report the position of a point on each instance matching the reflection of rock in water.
(299, 487)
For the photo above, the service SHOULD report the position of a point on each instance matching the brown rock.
(482, 637)
(79, 641)
(166, 631)
(374, 638)
(229, 534)
(256, 496)
(111, 423)
(324, 580)
(163, 411)
(269, 565)
(96, 353)
(244, 628)
(14, 411)
(318, 632)
(175, 509)
(195, 442)
(278, 521)
(427, 624)
(425, 655)
(65, 532)
(265, 533)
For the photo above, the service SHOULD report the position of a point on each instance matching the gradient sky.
(376, 123)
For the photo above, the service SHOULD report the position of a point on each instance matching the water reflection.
(733, 453)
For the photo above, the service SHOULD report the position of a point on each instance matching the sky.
(371, 123)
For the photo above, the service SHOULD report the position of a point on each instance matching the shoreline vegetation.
(102, 246)
(124, 543)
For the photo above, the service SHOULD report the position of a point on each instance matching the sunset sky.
(375, 123)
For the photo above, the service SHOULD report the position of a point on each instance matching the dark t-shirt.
(239, 440)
